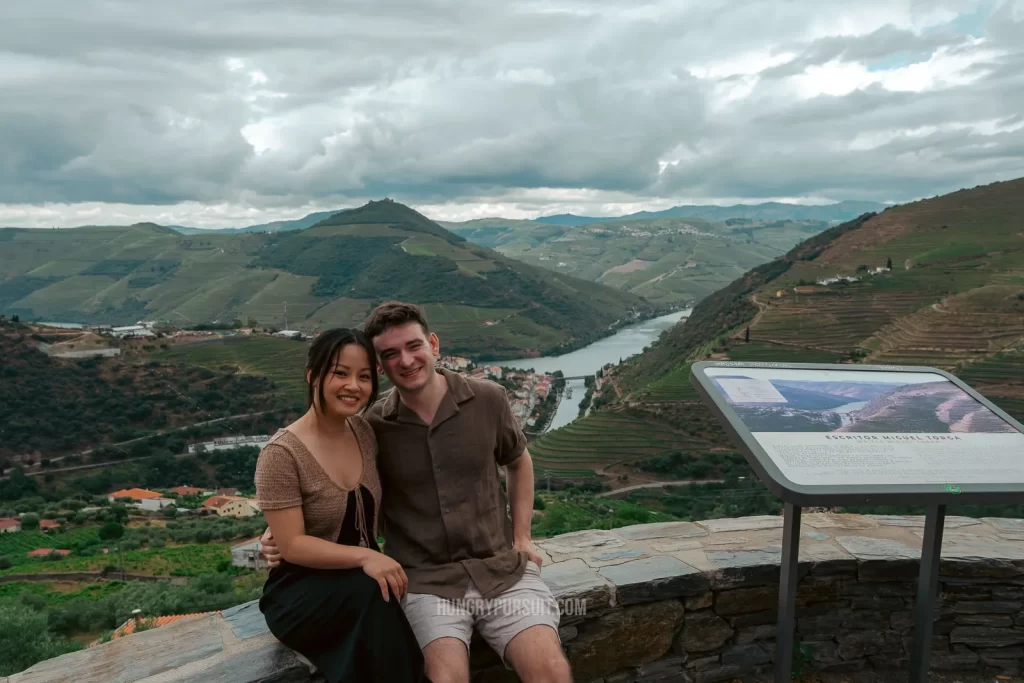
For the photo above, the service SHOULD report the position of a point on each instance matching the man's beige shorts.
(500, 619)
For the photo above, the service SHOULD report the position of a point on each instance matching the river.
(588, 360)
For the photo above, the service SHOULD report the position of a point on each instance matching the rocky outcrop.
(679, 601)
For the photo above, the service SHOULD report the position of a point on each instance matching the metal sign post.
(799, 425)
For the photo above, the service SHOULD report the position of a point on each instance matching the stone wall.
(681, 601)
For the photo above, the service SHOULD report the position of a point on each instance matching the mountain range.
(329, 274)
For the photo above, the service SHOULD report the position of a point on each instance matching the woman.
(335, 597)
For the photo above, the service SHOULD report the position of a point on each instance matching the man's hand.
(527, 547)
(269, 549)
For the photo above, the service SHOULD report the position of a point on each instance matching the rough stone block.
(574, 580)
(661, 530)
(755, 619)
(703, 631)
(703, 662)
(746, 600)
(822, 652)
(985, 636)
(901, 621)
(859, 644)
(1005, 592)
(993, 620)
(654, 578)
(718, 674)
(866, 619)
(878, 603)
(823, 627)
(815, 589)
(272, 663)
(702, 601)
(755, 633)
(959, 658)
(747, 656)
(669, 664)
(625, 637)
(987, 607)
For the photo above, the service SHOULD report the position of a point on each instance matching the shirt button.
(438, 469)
(446, 511)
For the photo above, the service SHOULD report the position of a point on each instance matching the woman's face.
(348, 383)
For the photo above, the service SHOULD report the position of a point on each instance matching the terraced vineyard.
(671, 388)
(601, 439)
(833, 320)
(17, 544)
(773, 353)
(999, 378)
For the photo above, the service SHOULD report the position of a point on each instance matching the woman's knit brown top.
(287, 475)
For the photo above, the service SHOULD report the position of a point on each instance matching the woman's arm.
(309, 551)
(289, 533)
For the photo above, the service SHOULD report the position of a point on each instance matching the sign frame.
(808, 495)
(934, 497)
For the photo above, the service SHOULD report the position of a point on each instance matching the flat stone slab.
(826, 520)
(737, 568)
(580, 543)
(918, 521)
(574, 580)
(877, 549)
(246, 620)
(645, 532)
(614, 556)
(654, 578)
(1012, 529)
(272, 663)
(135, 657)
(742, 524)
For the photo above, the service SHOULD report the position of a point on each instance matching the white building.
(249, 554)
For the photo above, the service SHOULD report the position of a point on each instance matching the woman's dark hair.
(321, 360)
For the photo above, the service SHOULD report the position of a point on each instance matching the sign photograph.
(825, 427)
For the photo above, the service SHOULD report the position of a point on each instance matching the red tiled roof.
(43, 552)
(217, 501)
(48, 524)
(186, 490)
(128, 627)
(135, 494)
(9, 522)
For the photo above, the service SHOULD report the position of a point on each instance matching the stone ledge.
(677, 601)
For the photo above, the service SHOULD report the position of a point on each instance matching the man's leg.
(521, 625)
(443, 630)
(537, 657)
(447, 660)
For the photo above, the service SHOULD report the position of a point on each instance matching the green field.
(186, 560)
(17, 544)
(281, 360)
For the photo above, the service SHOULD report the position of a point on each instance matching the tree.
(30, 522)
(15, 319)
(746, 336)
(25, 638)
(112, 531)
(888, 263)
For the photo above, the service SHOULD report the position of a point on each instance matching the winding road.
(659, 484)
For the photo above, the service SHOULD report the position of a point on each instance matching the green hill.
(953, 299)
(674, 261)
(332, 273)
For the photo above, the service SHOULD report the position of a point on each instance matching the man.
(442, 437)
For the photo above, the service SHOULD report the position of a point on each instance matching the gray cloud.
(271, 105)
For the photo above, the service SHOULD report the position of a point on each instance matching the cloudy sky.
(222, 112)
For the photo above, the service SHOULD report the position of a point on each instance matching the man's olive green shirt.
(444, 515)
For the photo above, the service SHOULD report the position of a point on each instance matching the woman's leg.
(340, 622)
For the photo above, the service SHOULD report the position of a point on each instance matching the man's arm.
(519, 481)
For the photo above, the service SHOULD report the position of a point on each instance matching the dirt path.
(659, 484)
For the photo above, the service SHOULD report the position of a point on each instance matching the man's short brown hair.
(392, 314)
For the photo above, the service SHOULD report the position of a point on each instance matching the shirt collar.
(459, 390)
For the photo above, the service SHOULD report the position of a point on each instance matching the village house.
(9, 525)
(45, 552)
(249, 554)
(186, 490)
(142, 499)
(230, 506)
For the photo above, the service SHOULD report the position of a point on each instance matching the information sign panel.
(845, 434)
(854, 433)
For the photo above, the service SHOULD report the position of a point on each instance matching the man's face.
(407, 355)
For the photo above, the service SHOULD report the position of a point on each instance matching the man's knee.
(447, 660)
(537, 657)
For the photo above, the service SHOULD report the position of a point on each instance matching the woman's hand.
(387, 573)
